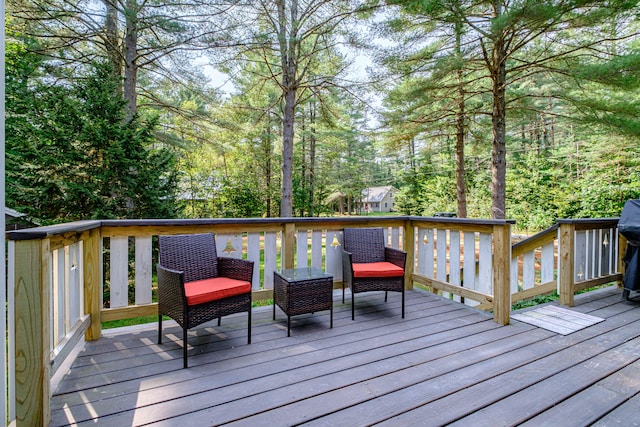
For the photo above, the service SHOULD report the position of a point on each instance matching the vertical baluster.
(485, 279)
(441, 257)
(469, 276)
(302, 248)
(333, 254)
(253, 254)
(119, 271)
(143, 270)
(316, 249)
(429, 249)
(514, 275)
(529, 270)
(58, 296)
(581, 267)
(590, 252)
(613, 252)
(423, 257)
(454, 260)
(270, 255)
(395, 237)
(80, 274)
(547, 261)
(74, 291)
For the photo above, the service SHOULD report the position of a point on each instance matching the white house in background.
(378, 199)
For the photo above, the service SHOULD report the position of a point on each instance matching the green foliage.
(70, 153)
(537, 300)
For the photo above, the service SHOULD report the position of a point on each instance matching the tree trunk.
(112, 41)
(287, 38)
(286, 204)
(498, 119)
(268, 150)
(130, 58)
(312, 158)
(461, 191)
(412, 152)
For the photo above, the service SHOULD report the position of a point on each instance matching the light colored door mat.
(557, 319)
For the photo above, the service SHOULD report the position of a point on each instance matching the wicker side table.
(302, 290)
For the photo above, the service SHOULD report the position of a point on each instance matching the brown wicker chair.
(196, 286)
(369, 265)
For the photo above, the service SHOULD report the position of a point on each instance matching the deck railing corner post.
(409, 246)
(93, 283)
(622, 248)
(32, 339)
(502, 273)
(566, 261)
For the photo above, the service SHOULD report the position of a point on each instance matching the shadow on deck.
(444, 364)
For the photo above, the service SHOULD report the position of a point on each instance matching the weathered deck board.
(444, 363)
(610, 392)
(624, 415)
(447, 398)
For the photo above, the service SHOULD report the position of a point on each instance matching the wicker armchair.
(196, 286)
(369, 265)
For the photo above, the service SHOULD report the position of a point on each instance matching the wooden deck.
(444, 364)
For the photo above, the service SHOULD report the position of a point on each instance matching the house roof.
(376, 194)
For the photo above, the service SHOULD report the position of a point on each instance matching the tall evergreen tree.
(71, 154)
(505, 33)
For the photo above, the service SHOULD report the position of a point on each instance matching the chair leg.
(343, 291)
(159, 328)
(184, 348)
(249, 327)
(403, 303)
(219, 320)
(386, 293)
(331, 317)
(353, 306)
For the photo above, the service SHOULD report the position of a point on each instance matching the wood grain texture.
(92, 260)
(32, 333)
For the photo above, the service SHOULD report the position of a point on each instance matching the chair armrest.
(347, 267)
(395, 256)
(170, 287)
(235, 268)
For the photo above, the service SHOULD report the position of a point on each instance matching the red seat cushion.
(377, 269)
(202, 291)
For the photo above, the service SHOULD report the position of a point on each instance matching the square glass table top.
(300, 274)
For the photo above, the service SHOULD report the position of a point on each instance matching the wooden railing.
(58, 275)
(590, 254)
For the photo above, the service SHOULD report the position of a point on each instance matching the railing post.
(622, 248)
(288, 245)
(32, 353)
(502, 273)
(93, 283)
(409, 246)
(566, 257)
